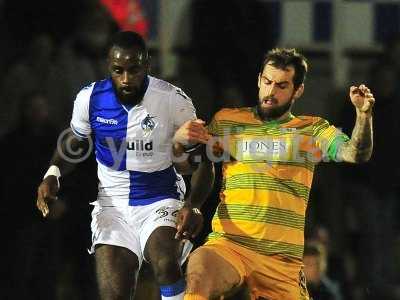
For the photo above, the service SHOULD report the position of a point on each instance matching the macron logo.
(107, 121)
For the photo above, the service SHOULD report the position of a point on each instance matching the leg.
(116, 270)
(146, 287)
(209, 275)
(162, 251)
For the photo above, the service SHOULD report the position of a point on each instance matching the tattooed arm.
(359, 148)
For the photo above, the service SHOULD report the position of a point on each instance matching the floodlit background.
(212, 49)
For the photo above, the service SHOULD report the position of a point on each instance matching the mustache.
(269, 98)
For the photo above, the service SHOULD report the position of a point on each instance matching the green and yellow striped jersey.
(267, 177)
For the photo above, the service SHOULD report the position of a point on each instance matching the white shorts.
(131, 226)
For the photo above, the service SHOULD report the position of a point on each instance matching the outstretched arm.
(186, 143)
(70, 150)
(359, 148)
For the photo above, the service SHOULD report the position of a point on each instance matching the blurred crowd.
(50, 51)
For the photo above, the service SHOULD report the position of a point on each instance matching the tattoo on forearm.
(359, 148)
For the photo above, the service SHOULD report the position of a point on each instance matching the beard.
(134, 95)
(132, 98)
(272, 113)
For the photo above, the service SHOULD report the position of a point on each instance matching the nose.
(271, 89)
(125, 78)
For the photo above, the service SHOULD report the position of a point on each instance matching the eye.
(282, 86)
(117, 70)
(135, 70)
(267, 81)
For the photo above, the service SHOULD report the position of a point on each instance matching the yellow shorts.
(272, 277)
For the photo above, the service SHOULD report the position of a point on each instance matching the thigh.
(157, 235)
(116, 270)
(110, 227)
(162, 252)
(213, 271)
(161, 243)
(274, 278)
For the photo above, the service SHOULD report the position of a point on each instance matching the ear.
(259, 80)
(299, 92)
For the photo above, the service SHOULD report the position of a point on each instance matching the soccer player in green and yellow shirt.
(257, 233)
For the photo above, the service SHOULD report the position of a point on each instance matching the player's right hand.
(47, 192)
(189, 222)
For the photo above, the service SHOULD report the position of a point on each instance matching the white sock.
(173, 291)
(176, 297)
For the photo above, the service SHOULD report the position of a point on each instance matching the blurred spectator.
(33, 70)
(60, 71)
(80, 60)
(25, 150)
(321, 235)
(373, 189)
(29, 19)
(42, 257)
(319, 285)
(340, 262)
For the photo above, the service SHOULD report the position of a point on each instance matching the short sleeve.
(328, 138)
(219, 124)
(182, 107)
(213, 127)
(80, 123)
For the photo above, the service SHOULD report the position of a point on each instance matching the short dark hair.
(313, 249)
(282, 58)
(129, 39)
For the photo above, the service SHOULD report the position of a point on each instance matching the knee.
(195, 283)
(165, 267)
(199, 275)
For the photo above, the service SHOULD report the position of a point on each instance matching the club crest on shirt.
(148, 123)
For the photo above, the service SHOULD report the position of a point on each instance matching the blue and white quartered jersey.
(133, 146)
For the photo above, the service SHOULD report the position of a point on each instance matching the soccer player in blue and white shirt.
(131, 119)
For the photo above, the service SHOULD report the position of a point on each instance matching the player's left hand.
(362, 98)
(189, 222)
(191, 132)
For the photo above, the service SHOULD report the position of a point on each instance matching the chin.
(271, 113)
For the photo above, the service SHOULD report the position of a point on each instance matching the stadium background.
(211, 49)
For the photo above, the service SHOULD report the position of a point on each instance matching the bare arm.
(190, 219)
(182, 159)
(190, 133)
(201, 184)
(359, 148)
(70, 151)
(193, 160)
